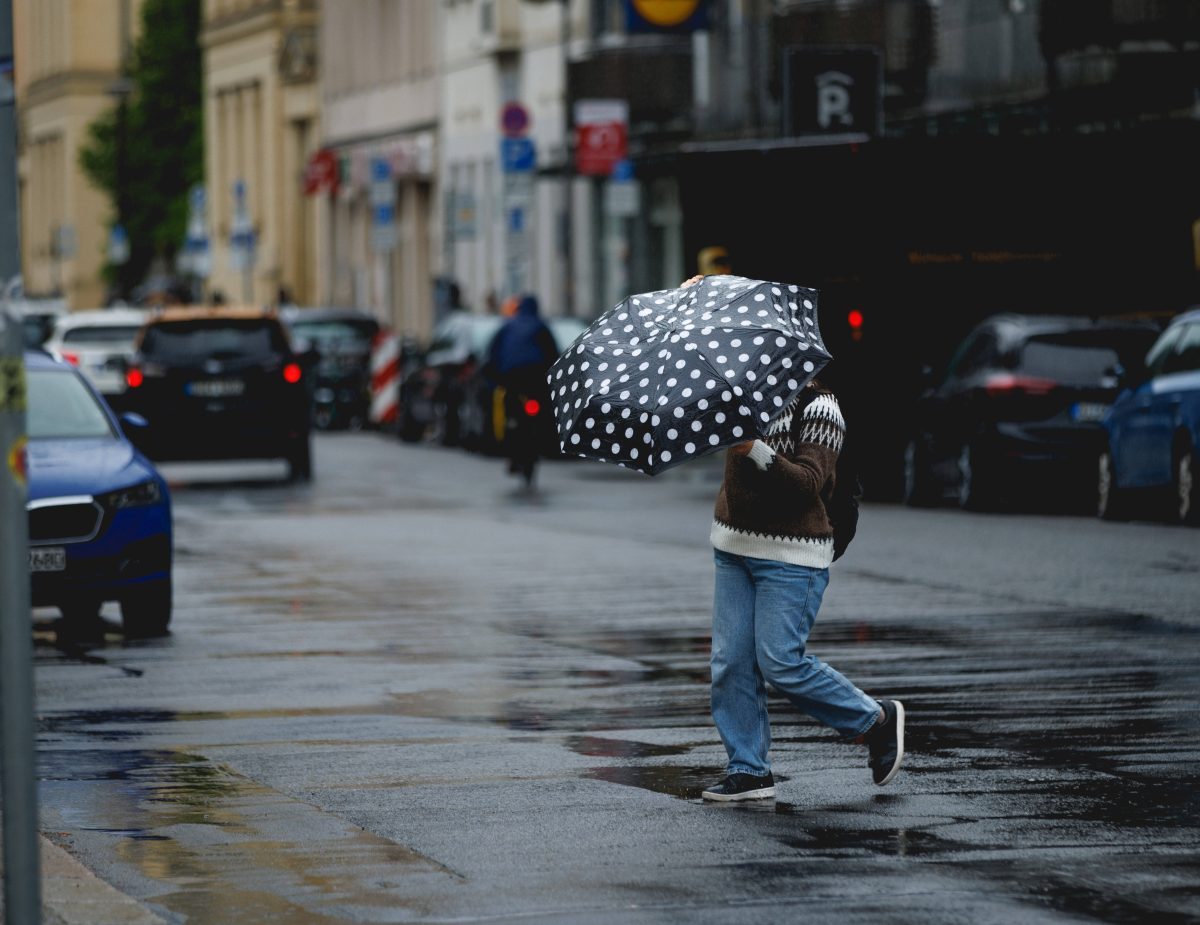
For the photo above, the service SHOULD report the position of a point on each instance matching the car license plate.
(216, 388)
(1088, 411)
(47, 559)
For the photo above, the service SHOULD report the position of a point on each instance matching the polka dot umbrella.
(668, 376)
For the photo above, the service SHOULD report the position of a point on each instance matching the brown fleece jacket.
(772, 501)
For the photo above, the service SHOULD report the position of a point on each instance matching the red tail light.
(134, 377)
(72, 358)
(532, 407)
(292, 372)
(1008, 384)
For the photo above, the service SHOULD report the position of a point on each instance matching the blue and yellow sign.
(665, 15)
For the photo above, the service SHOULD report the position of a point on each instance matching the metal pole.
(18, 783)
(568, 165)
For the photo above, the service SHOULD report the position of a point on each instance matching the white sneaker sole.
(763, 793)
(899, 743)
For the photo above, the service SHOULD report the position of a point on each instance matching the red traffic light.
(532, 407)
(292, 372)
(134, 377)
(855, 319)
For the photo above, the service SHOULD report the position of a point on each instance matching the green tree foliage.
(163, 138)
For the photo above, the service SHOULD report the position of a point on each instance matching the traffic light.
(854, 318)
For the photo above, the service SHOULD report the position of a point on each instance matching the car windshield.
(101, 334)
(1068, 360)
(61, 406)
(218, 339)
(328, 333)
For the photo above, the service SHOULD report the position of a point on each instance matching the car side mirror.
(134, 421)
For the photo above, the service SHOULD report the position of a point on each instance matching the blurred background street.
(328, 629)
(411, 692)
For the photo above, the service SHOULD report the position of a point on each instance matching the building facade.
(68, 56)
(508, 227)
(373, 181)
(261, 126)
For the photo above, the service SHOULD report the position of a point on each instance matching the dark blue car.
(1152, 459)
(99, 512)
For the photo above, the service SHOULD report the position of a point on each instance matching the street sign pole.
(241, 241)
(18, 783)
(18, 788)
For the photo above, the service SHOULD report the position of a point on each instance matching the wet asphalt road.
(409, 693)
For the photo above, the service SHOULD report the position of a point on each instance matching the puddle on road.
(216, 847)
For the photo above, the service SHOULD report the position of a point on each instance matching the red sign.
(321, 173)
(599, 146)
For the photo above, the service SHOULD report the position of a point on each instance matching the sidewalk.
(73, 895)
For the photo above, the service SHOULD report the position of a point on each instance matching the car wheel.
(299, 460)
(447, 427)
(1186, 488)
(146, 609)
(411, 430)
(918, 487)
(976, 491)
(1110, 500)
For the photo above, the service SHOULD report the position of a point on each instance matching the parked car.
(432, 389)
(1019, 409)
(1152, 450)
(341, 379)
(221, 383)
(99, 512)
(37, 318)
(477, 408)
(100, 344)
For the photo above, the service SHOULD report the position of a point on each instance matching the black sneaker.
(885, 740)
(742, 787)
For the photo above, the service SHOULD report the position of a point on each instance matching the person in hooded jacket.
(518, 360)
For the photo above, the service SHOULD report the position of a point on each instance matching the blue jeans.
(763, 612)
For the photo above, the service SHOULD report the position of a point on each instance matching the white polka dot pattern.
(668, 376)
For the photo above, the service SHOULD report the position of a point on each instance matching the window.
(62, 407)
(101, 334)
(1162, 349)
(1078, 363)
(1186, 355)
(186, 341)
(976, 351)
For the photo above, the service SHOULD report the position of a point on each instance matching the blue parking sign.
(517, 155)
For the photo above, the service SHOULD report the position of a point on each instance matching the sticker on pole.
(12, 385)
(18, 460)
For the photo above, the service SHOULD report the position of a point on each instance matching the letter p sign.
(833, 99)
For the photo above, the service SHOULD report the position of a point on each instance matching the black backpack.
(842, 503)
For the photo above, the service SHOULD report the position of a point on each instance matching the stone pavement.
(73, 895)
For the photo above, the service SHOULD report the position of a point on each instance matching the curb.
(73, 895)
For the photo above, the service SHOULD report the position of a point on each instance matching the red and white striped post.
(385, 378)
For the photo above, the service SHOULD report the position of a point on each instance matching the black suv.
(221, 383)
(1022, 397)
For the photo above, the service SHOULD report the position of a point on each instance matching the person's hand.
(691, 282)
(742, 449)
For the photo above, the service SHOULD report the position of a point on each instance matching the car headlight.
(134, 496)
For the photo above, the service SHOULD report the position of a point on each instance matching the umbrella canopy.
(664, 377)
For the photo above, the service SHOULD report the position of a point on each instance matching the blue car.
(1153, 450)
(99, 512)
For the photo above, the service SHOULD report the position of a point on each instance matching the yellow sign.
(12, 385)
(18, 461)
(665, 13)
